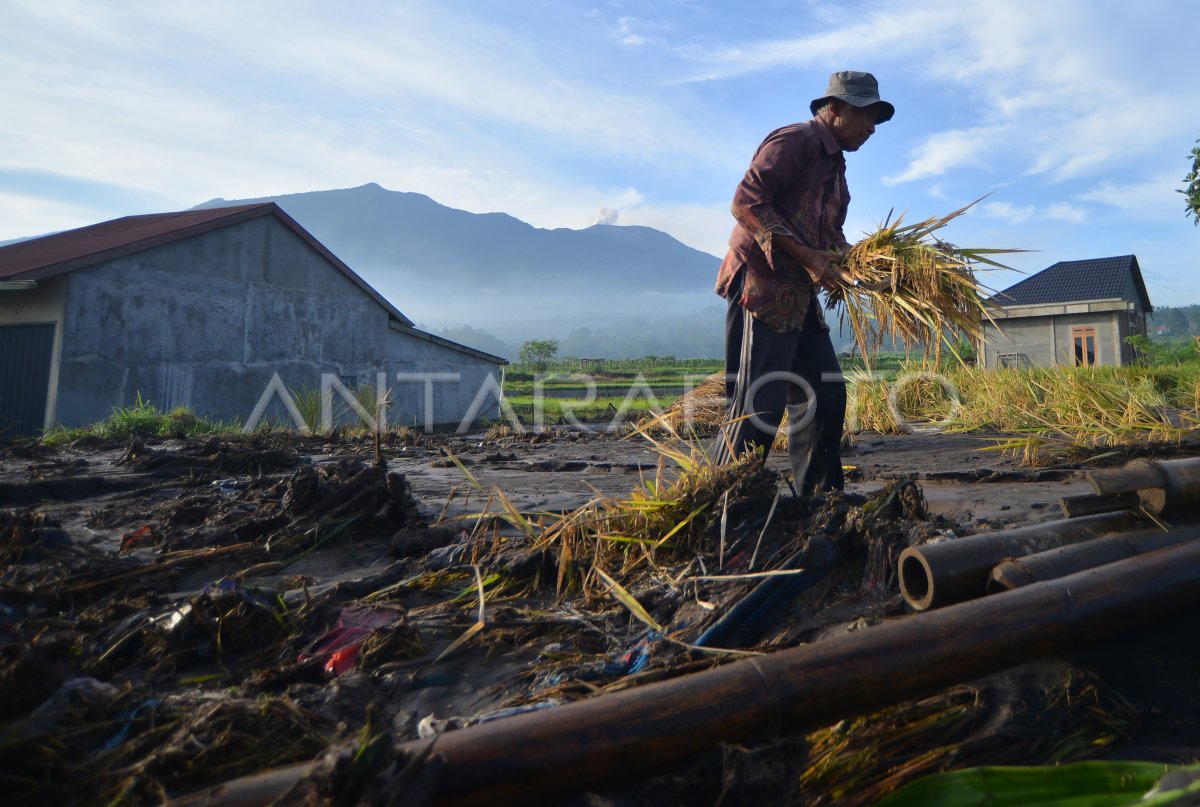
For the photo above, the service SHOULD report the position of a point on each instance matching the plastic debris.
(339, 649)
(128, 718)
(635, 659)
(134, 538)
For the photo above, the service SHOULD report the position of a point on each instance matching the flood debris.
(293, 616)
(339, 650)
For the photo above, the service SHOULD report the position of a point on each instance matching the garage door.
(25, 352)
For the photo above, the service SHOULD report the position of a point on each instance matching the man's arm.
(779, 163)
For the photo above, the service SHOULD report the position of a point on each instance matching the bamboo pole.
(1064, 560)
(937, 574)
(1180, 495)
(522, 759)
(1091, 503)
(1167, 487)
(1129, 478)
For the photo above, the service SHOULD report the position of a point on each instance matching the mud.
(178, 613)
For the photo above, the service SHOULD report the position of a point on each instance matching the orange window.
(1085, 346)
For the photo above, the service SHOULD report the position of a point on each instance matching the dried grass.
(701, 411)
(858, 761)
(676, 513)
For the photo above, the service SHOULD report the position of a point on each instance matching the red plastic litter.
(131, 539)
(343, 660)
(339, 647)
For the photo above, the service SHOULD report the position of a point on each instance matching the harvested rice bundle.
(701, 407)
(907, 285)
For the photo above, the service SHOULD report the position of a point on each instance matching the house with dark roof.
(1074, 313)
(223, 311)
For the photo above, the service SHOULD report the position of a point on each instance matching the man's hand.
(825, 268)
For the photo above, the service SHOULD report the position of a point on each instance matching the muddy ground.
(178, 613)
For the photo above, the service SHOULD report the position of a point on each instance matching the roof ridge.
(1103, 278)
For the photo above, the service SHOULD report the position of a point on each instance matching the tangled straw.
(913, 287)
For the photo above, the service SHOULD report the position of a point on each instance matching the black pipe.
(746, 621)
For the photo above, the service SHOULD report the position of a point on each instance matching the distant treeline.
(695, 336)
(1174, 321)
(698, 336)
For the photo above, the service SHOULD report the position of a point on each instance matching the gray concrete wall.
(206, 323)
(45, 304)
(411, 355)
(1028, 338)
(1122, 328)
(1047, 341)
(1131, 291)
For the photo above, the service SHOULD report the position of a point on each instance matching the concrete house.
(219, 310)
(1074, 313)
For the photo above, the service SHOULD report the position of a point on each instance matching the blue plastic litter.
(128, 717)
(636, 658)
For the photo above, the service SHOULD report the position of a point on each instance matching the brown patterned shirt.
(795, 186)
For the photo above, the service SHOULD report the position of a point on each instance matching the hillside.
(448, 268)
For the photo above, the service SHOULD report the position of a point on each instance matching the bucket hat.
(857, 89)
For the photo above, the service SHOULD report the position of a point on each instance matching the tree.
(1191, 184)
(538, 352)
(1176, 321)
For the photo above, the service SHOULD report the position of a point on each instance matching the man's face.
(852, 125)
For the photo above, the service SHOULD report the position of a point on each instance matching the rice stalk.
(907, 286)
(629, 601)
(1037, 409)
(479, 624)
(670, 516)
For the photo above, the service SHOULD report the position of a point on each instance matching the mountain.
(448, 269)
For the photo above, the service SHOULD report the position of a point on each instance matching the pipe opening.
(998, 580)
(916, 581)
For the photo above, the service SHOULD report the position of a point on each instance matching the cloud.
(871, 33)
(553, 112)
(1008, 212)
(343, 87)
(1052, 72)
(1075, 81)
(945, 151)
(625, 32)
(705, 227)
(1065, 211)
(24, 215)
(1150, 199)
(1020, 214)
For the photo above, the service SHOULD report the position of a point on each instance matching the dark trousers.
(769, 373)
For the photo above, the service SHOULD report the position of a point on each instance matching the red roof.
(63, 252)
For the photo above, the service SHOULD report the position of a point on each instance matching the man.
(787, 245)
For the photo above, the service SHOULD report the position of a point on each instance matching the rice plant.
(905, 285)
(669, 516)
(673, 515)
(1097, 783)
(1049, 407)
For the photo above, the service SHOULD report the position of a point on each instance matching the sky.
(1073, 118)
